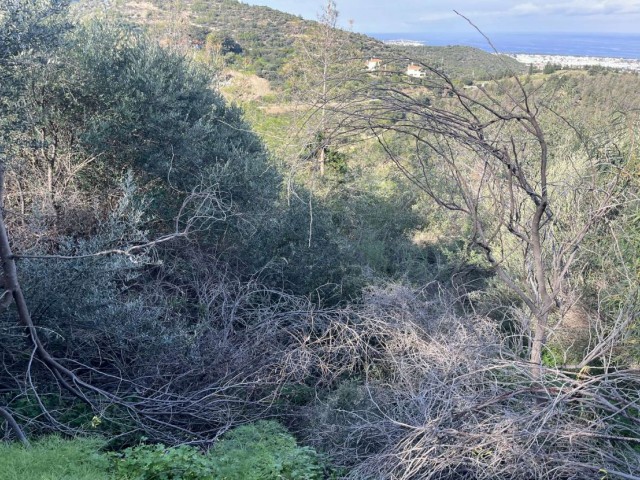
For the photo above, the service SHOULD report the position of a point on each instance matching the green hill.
(262, 40)
(251, 38)
(466, 63)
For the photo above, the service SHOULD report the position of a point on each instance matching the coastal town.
(568, 61)
(540, 60)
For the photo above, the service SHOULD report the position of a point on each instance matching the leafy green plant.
(157, 462)
(297, 394)
(260, 451)
(72, 413)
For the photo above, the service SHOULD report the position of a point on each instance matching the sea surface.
(592, 45)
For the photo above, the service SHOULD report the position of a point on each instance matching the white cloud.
(552, 8)
(558, 13)
(525, 9)
(491, 15)
(578, 8)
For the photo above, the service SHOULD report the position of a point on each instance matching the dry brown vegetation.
(440, 396)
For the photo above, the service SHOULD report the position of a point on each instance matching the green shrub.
(261, 451)
(264, 451)
(53, 458)
(157, 462)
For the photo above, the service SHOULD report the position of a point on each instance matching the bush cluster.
(260, 451)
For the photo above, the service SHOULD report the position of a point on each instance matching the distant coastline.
(405, 43)
(601, 46)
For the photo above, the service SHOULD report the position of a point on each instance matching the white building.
(374, 64)
(416, 71)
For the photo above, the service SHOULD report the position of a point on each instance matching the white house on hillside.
(416, 71)
(374, 64)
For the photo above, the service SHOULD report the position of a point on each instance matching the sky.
(492, 16)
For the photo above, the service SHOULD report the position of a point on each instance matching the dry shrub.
(407, 388)
(441, 397)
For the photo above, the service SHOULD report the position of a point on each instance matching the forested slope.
(256, 38)
(466, 63)
(265, 41)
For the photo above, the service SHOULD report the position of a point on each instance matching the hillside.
(464, 62)
(252, 38)
(262, 40)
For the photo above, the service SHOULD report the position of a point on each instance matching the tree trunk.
(12, 284)
(537, 344)
(14, 426)
(321, 161)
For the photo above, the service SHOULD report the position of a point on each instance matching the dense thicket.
(141, 208)
(181, 280)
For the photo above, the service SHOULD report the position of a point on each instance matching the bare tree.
(485, 153)
(325, 63)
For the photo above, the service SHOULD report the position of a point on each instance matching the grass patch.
(53, 458)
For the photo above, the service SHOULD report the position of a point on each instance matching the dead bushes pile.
(422, 393)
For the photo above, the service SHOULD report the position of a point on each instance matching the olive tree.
(25, 28)
(81, 265)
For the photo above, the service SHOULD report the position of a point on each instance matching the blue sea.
(596, 45)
